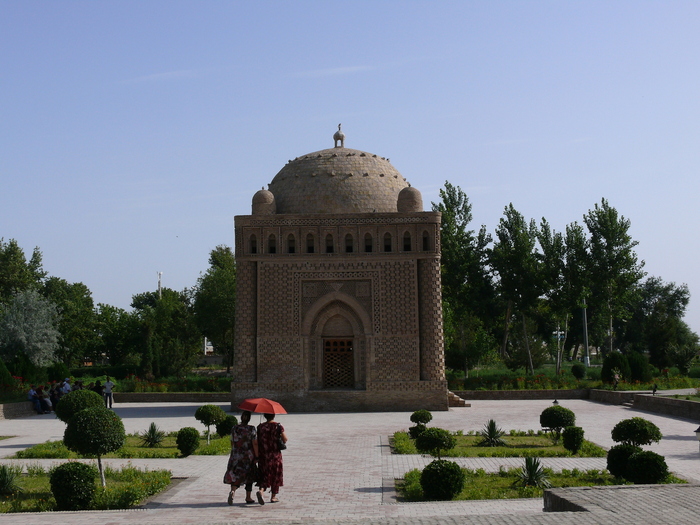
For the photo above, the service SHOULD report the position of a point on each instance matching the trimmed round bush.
(442, 480)
(187, 440)
(572, 439)
(416, 431)
(433, 440)
(94, 431)
(73, 485)
(636, 431)
(618, 457)
(209, 415)
(646, 468)
(557, 418)
(75, 401)
(578, 371)
(223, 428)
(421, 417)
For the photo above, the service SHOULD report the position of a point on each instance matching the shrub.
(187, 440)
(75, 401)
(578, 371)
(421, 417)
(491, 435)
(433, 440)
(618, 457)
(224, 427)
(58, 371)
(8, 479)
(532, 474)
(636, 431)
(442, 480)
(73, 485)
(556, 418)
(573, 439)
(646, 468)
(153, 437)
(416, 431)
(95, 432)
(613, 361)
(209, 415)
(639, 367)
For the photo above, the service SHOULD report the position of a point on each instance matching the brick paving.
(338, 470)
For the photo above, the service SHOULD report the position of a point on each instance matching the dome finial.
(339, 136)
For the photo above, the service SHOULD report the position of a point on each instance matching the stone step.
(455, 401)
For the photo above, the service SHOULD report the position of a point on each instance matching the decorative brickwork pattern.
(432, 353)
(398, 297)
(280, 359)
(395, 359)
(246, 322)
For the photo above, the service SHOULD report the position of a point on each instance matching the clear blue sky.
(133, 132)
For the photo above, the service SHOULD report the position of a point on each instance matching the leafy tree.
(75, 401)
(95, 432)
(614, 265)
(514, 259)
(467, 287)
(28, 329)
(169, 341)
(613, 363)
(18, 274)
(209, 415)
(77, 324)
(556, 418)
(434, 440)
(119, 336)
(215, 302)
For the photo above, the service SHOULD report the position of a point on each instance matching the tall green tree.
(119, 336)
(467, 287)
(215, 302)
(514, 258)
(78, 339)
(16, 272)
(170, 341)
(28, 329)
(613, 263)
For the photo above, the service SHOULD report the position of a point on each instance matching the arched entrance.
(337, 345)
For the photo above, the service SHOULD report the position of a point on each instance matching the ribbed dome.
(337, 180)
(264, 203)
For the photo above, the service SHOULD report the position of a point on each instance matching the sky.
(133, 132)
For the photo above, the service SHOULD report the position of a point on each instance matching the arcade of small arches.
(348, 244)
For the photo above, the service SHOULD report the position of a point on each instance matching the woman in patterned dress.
(244, 453)
(270, 460)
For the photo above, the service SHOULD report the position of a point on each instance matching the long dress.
(239, 470)
(270, 457)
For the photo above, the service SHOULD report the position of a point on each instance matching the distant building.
(338, 302)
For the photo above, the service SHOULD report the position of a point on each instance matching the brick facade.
(339, 311)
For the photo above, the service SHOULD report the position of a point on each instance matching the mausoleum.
(338, 302)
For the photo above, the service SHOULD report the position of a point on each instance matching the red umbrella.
(262, 405)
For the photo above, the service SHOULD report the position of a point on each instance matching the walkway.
(338, 470)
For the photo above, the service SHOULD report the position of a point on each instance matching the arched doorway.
(338, 369)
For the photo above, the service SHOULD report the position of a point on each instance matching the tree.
(467, 288)
(118, 336)
(169, 341)
(95, 432)
(514, 259)
(434, 440)
(636, 431)
(28, 329)
(77, 325)
(215, 302)
(209, 415)
(16, 273)
(614, 265)
(556, 418)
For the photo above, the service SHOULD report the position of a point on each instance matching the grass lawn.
(481, 485)
(131, 449)
(126, 487)
(518, 446)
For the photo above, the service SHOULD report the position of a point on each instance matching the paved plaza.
(338, 469)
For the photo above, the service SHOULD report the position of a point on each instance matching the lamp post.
(697, 433)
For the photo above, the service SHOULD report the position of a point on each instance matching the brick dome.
(337, 180)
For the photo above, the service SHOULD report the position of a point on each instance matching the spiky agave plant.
(491, 435)
(153, 437)
(532, 474)
(8, 479)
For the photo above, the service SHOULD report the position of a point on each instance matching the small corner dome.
(410, 200)
(264, 203)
